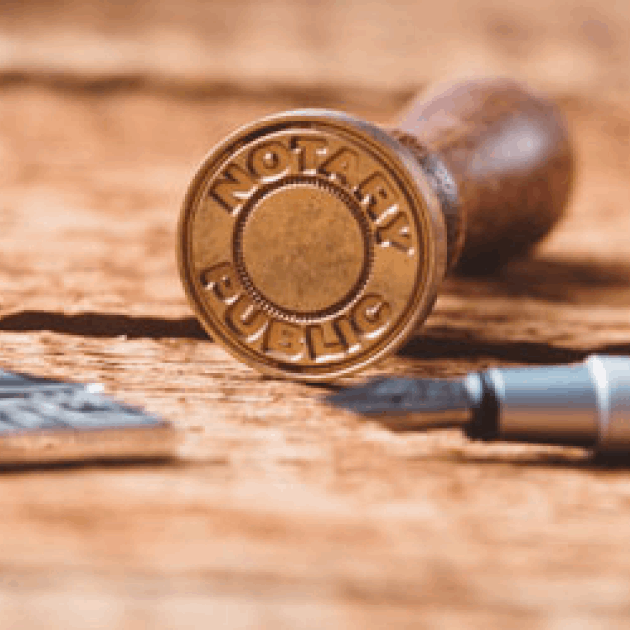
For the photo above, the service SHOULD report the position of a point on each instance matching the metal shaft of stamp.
(312, 243)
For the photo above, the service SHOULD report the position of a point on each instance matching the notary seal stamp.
(307, 246)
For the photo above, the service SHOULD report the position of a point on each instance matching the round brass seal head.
(311, 244)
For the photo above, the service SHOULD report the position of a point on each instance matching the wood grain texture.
(284, 513)
(372, 47)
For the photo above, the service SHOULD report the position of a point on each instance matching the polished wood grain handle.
(499, 157)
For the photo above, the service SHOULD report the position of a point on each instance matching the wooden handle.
(500, 159)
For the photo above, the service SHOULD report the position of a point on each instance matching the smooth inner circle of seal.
(303, 248)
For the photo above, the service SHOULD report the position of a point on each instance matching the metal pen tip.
(423, 403)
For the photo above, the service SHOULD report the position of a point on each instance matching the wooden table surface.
(281, 512)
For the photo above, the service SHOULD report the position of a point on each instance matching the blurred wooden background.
(393, 46)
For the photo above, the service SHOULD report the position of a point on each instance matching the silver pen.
(582, 404)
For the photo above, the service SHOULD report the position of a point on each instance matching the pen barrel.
(585, 404)
(499, 158)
